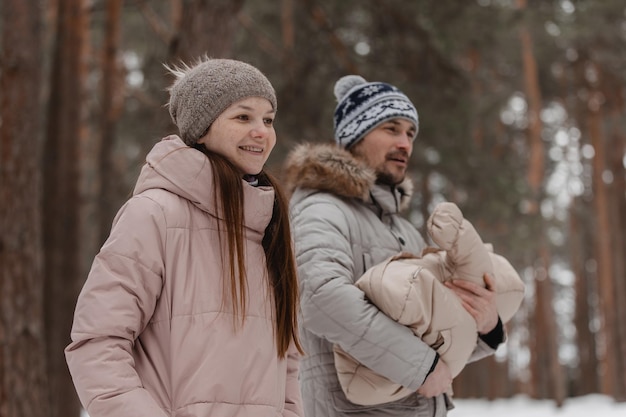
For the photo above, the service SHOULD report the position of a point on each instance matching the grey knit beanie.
(203, 91)
(362, 105)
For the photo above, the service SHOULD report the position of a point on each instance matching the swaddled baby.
(410, 290)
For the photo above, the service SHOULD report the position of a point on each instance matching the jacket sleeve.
(333, 308)
(114, 306)
(293, 399)
(486, 345)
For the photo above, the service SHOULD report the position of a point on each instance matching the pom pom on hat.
(347, 83)
(203, 91)
(362, 105)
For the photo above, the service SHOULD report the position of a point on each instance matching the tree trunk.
(585, 379)
(602, 243)
(61, 197)
(473, 381)
(111, 103)
(23, 382)
(556, 377)
(618, 222)
(547, 375)
(536, 168)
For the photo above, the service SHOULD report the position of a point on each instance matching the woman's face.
(244, 134)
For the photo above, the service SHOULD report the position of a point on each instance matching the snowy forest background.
(522, 124)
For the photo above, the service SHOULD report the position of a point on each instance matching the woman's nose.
(259, 130)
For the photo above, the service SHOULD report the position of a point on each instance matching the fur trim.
(333, 169)
(328, 168)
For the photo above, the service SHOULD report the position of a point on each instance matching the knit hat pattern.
(362, 105)
(202, 92)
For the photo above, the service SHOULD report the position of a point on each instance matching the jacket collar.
(330, 168)
(184, 171)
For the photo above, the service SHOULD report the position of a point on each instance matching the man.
(345, 212)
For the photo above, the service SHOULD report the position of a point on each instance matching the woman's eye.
(268, 121)
(243, 117)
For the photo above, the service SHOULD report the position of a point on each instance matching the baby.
(410, 290)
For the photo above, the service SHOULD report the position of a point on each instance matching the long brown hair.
(277, 245)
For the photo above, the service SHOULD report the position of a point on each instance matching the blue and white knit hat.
(362, 105)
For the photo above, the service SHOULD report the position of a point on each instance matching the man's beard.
(386, 178)
(382, 176)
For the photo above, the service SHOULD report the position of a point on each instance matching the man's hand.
(437, 382)
(478, 301)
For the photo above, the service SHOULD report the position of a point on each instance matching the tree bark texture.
(618, 223)
(602, 251)
(61, 200)
(23, 382)
(533, 94)
(587, 378)
(111, 103)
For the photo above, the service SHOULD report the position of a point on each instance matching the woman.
(190, 307)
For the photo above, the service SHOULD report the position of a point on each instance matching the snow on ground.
(521, 406)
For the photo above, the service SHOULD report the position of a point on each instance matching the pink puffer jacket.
(410, 290)
(152, 336)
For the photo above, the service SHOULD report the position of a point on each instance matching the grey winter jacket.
(343, 224)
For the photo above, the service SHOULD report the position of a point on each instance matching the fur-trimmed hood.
(330, 168)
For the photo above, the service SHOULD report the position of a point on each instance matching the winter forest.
(522, 124)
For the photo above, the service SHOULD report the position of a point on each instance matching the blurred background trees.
(522, 123)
